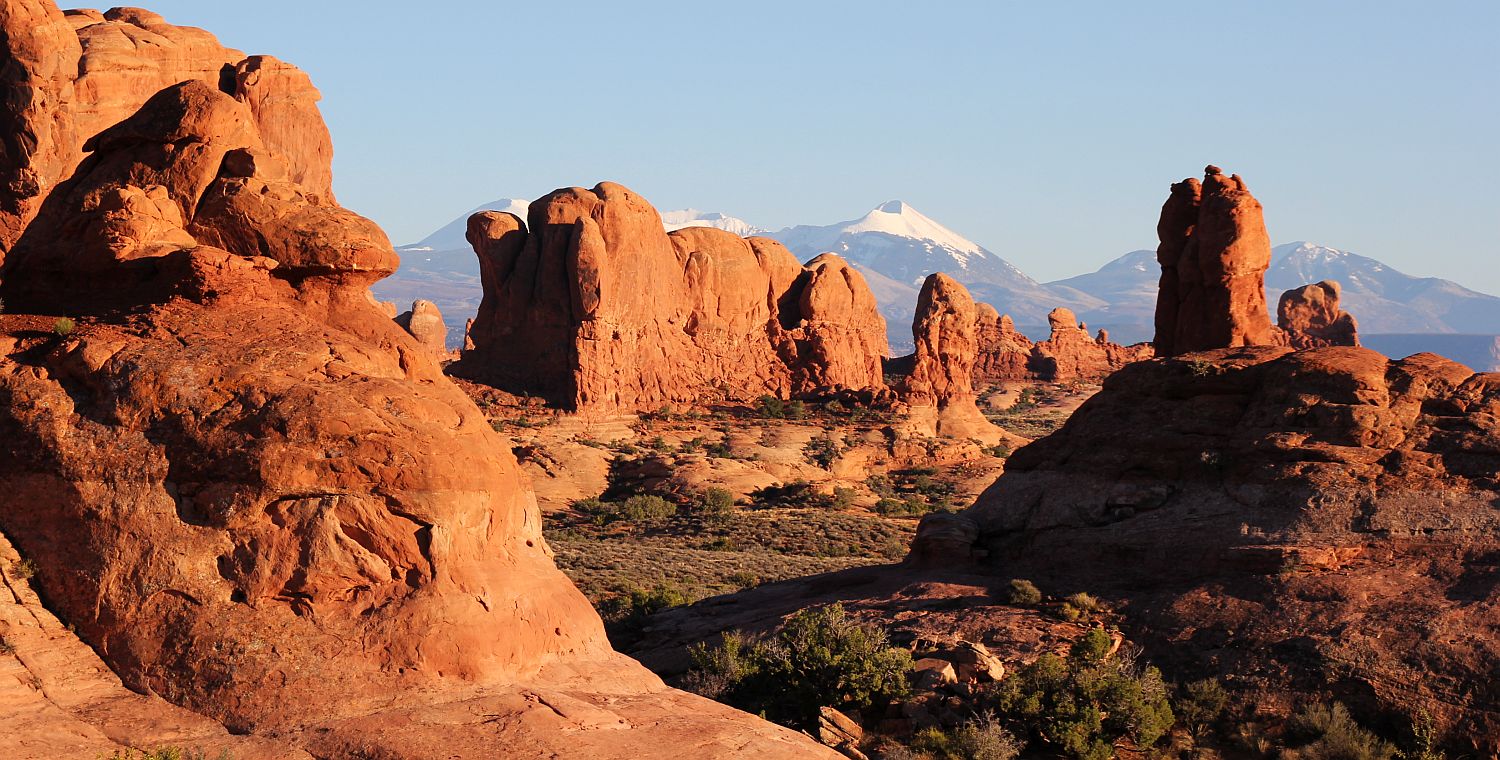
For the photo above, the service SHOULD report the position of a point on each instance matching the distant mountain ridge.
(895, 247)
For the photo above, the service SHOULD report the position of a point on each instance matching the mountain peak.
(691, 217)
(894, 207)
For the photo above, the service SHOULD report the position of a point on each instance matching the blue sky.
(1047, 132)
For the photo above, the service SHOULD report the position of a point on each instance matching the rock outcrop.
(425, 323)
(939, 388)
(1310, 316)
(1316, 522)
(591, 305)
(1214, 254)
(246, 488)
(1068, 354)
(80, 72)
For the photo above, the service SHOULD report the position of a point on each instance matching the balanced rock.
(1310, 316)
(592, 305)
(1214, 254)
(425, 323)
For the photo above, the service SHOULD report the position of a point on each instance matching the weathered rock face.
(1006, 355)
(939, 388)
(1310, 316)
(78, 73)
(246, 488)
(1214, 253)
(425, 323)
(592, 305)
(1312, 521)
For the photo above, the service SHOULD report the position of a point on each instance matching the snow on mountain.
(691, 217)
(899, 247)
(451, 236)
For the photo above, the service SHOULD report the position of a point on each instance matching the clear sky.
(1046, 131)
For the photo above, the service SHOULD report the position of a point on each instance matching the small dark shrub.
(1201, 705)
(1328, 732)
(771, 408)
(819, 658)
(643, 508)
(1023, 593)
(63, 326)
(716, 502)
(823, 451)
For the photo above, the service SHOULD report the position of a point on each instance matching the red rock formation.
(939, 388)
(597, 307)
(1319, 516)
(425, 323)
(1006, 355)
(79, 73)
(245, 487)
(1310, 316)
(1214, 253)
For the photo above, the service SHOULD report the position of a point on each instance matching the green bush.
(980, 739)
(63, 326)
(771, 408)
(716, 502)
(1201, 705)
(843, 497)
(819, 658)
(1023, 593)
(1081, 705)
(823, 451)
(1328, 732)
(646, 508)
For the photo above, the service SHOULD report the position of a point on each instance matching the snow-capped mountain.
(691, 217)
(896, 247)
(451, 236)
(1396, 311)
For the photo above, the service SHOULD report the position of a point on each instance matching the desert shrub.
(796, 410)
(1201, 704)
(163, 753)
(1086, 603)
(843, 497)
(63, 326)
(1424, 738)
(6, 647)
(692, 445)
(744, 579)
(911, 506)
(881, 485)
(1022, 593)
(719, 449)
(24, 570)
(819, 657)
(660, 445)
(716, 502)
(770, 407)
(999, 451)
(798, 494)
(823, 451)
(646, 508)
(980, 739)
(1082, 704)
(1328, 732)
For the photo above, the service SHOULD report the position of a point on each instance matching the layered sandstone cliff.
(239, 482)
(1214, 254)
(590, 304)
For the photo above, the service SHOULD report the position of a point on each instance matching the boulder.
(425, 323)
(1310, 316)
(1214, 254)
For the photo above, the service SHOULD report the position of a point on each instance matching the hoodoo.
(1214, 254)
(939, 387)
(592, 305)
(245, 487)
